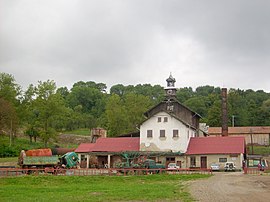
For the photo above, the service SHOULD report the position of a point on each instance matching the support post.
(109, 161)
(87, 160)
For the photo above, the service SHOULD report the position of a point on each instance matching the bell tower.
(170, 90)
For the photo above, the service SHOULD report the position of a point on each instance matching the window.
(149, 133)
(162, 133)
(192, 161)
(175, 133)
(159, 119)
(222, 160)
(165, 119)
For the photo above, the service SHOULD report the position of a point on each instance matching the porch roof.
(111, 145)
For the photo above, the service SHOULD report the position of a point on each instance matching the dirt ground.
(231, 186)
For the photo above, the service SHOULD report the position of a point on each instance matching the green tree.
(214, 114)
(116, 115)
(8, 118)
(45, 108)
(264, 114)
(135, 106)
(183, 94)
(9, 89)
(197, 104)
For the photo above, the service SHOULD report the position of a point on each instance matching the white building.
(169, 125)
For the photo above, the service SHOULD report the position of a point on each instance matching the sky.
(222, 43)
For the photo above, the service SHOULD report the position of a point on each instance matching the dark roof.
(173, 99)
(132, 134)
(241, 130)
(111, 145)
(173, 115)
(216, 145)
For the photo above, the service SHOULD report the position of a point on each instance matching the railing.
(257, 171)
(109, 171)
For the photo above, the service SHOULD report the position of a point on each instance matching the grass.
(82, 131)
(96, 188)
(23, 143)
(9, 159)
(261, 150)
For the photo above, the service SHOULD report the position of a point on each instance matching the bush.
(6, 151)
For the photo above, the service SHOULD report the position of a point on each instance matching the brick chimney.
(224, 115)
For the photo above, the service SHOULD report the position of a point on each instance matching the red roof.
(111, 145)
(85, 147)
(241, 130)
(216, 145)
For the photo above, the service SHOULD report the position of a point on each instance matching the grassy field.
(82, 131)
(96, 188)
(261, 150)
(9, 159)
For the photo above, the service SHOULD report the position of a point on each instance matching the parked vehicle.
(215, 167)
(229, 166)
(173, 166)
(151, 164)
(43, 158)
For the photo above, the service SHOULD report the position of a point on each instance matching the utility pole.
(233, 116)
(251, 138)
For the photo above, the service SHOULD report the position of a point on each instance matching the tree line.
(43, 110)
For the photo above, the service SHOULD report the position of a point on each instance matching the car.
(229, 166)
(173, 166)
(215, 167)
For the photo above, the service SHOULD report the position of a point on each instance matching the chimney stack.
(224, 112)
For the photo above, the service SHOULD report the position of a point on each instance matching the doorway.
(203, 162)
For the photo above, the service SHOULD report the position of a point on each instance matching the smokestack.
(224, 112)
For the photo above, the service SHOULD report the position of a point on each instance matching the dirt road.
(232, 186)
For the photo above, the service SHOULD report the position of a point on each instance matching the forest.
(44, 110)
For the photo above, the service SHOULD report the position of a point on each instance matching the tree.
(198, 105)
(9, 90)
(264, 114)
(214, 114)
(135, 106)
(116, 115)
(89, 97)
(183, 94)
(8, 118)
(44, 107)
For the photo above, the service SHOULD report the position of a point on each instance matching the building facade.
(169, 125)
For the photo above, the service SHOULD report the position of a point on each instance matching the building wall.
(261, 139)
(167, 143)
(215, 158)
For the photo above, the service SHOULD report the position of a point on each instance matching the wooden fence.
(5, 172)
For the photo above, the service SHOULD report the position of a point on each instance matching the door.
(203, 162)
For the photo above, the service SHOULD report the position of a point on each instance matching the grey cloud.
(122, 41)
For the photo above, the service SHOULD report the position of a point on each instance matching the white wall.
(169, 143)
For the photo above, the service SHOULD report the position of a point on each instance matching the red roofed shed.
(216, 145)
(106, 150)
(204, 151)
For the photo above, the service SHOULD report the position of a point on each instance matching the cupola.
(170, 89)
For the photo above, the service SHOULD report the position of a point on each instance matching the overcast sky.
(204, 42)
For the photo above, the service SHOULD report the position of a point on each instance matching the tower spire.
(170, 89)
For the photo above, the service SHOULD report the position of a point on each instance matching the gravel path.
(232, 186)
